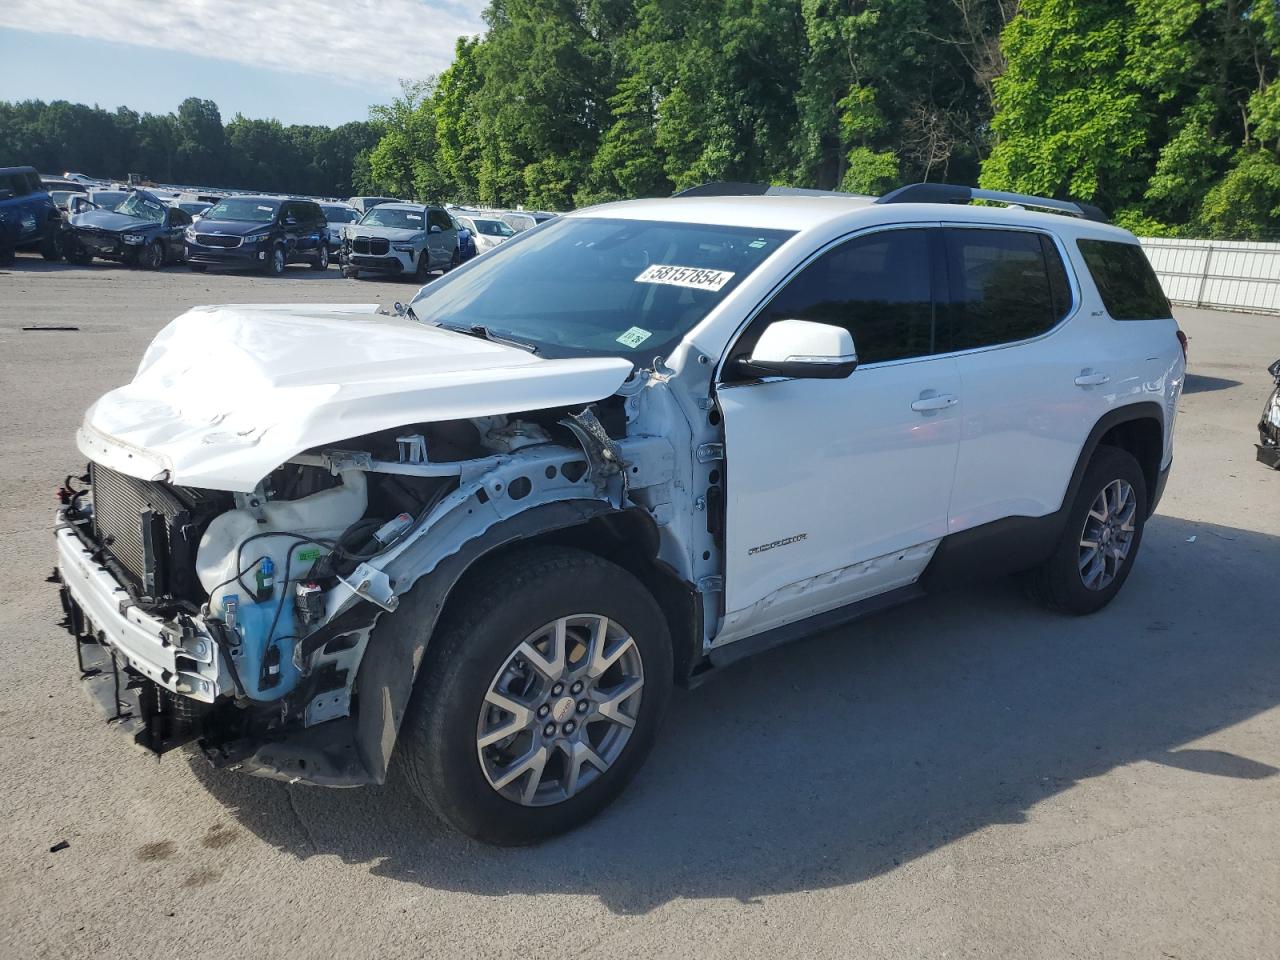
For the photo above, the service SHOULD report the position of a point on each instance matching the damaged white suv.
(624, 449)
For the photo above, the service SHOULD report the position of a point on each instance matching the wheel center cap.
(562, 710)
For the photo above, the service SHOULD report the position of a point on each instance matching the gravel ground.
(964, 777)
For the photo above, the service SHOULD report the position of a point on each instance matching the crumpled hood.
(110, 220)
(226, 394)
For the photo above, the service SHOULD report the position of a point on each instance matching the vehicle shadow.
(836, 759)
(1197, 383)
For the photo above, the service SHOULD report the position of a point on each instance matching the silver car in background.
(488, 230)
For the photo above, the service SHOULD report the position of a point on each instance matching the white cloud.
(369, 43)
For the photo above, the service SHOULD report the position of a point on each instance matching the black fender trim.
(390, 665)
(1013, 544)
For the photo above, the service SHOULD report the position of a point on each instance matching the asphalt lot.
(965, 777)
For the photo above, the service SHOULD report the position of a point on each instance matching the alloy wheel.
(561, 709)
(1108, 533)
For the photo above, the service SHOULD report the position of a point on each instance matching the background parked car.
(401, 238)
(338, 216)
(28, 216)
(522, 220)
(487, 231)
(365, 204)
(466, 241)
(266, 233)
(139, 231)
(62, 185)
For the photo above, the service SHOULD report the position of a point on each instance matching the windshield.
(393, 217)
(493, 228)
(340, 214)
(239, 208)
(144, 208)
(194, 207)
(595, 287)
(107, 198)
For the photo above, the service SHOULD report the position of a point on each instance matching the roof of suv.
(803, 212)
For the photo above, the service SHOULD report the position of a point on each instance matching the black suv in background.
(265, 233)
(28, 217)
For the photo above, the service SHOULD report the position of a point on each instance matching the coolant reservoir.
(252, 601)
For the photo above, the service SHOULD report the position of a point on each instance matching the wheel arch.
(388, 670)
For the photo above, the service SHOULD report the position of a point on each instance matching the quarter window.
(876, 286)
(1005, 286)
(1125, 280)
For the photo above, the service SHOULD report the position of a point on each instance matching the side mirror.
(435, 228)
(804, 350)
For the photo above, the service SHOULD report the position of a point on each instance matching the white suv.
(621, 451)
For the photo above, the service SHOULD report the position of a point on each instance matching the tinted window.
(441, 219)
(1006, 285)
(18, 184)
(179, 217)
(876, 286)
(1125, 280)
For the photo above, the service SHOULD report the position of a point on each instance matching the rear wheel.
(453, 261)
(540, 696)
(1101, 539)
(423, 270)
(51, 245)
(321, 262)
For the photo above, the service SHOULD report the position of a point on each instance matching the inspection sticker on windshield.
(695, 277)
(266, 209)
(634, 337)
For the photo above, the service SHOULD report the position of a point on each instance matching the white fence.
(1219, 274)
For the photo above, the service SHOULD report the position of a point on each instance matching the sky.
(299, 62)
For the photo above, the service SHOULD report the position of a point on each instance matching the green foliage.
(1163, 110)
(191, 146)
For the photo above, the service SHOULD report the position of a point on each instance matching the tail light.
(1182, 342)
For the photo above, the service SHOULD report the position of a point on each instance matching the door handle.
(939, 401)
(1092, 379)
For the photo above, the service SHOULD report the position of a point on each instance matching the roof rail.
(734, 188)
(954, 193)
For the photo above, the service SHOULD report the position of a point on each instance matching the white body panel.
(848, 467)
(224, 395)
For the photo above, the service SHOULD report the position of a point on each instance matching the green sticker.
(634, 337)
(309, 554)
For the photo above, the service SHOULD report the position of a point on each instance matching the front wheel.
(153, 258)
(540, 696)
(423, 270)
(351, 273)
(1101, 539)
(275, 264)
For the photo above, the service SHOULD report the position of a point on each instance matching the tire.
(454, 261)
(1077, 579)
(154, 258)
(77, 254)
(7, 256)
(275, 264)
(321, 262)
(51, 245)
(421, 273)
(197, 267)
(483, 637)
(351, 273)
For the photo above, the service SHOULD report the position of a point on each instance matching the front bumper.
(180, 657)
(242, 256)
(394, 261)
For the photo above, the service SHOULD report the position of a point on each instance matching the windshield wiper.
(483, 332)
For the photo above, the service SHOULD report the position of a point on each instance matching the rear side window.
(876, 286)
(1125, 280)
(1005, 286)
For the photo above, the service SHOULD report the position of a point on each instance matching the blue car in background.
(29, 219)
(261, 233)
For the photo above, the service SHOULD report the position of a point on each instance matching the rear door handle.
(939, 401)
(1092, 379)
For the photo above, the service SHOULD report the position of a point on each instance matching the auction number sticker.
(696, 277)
